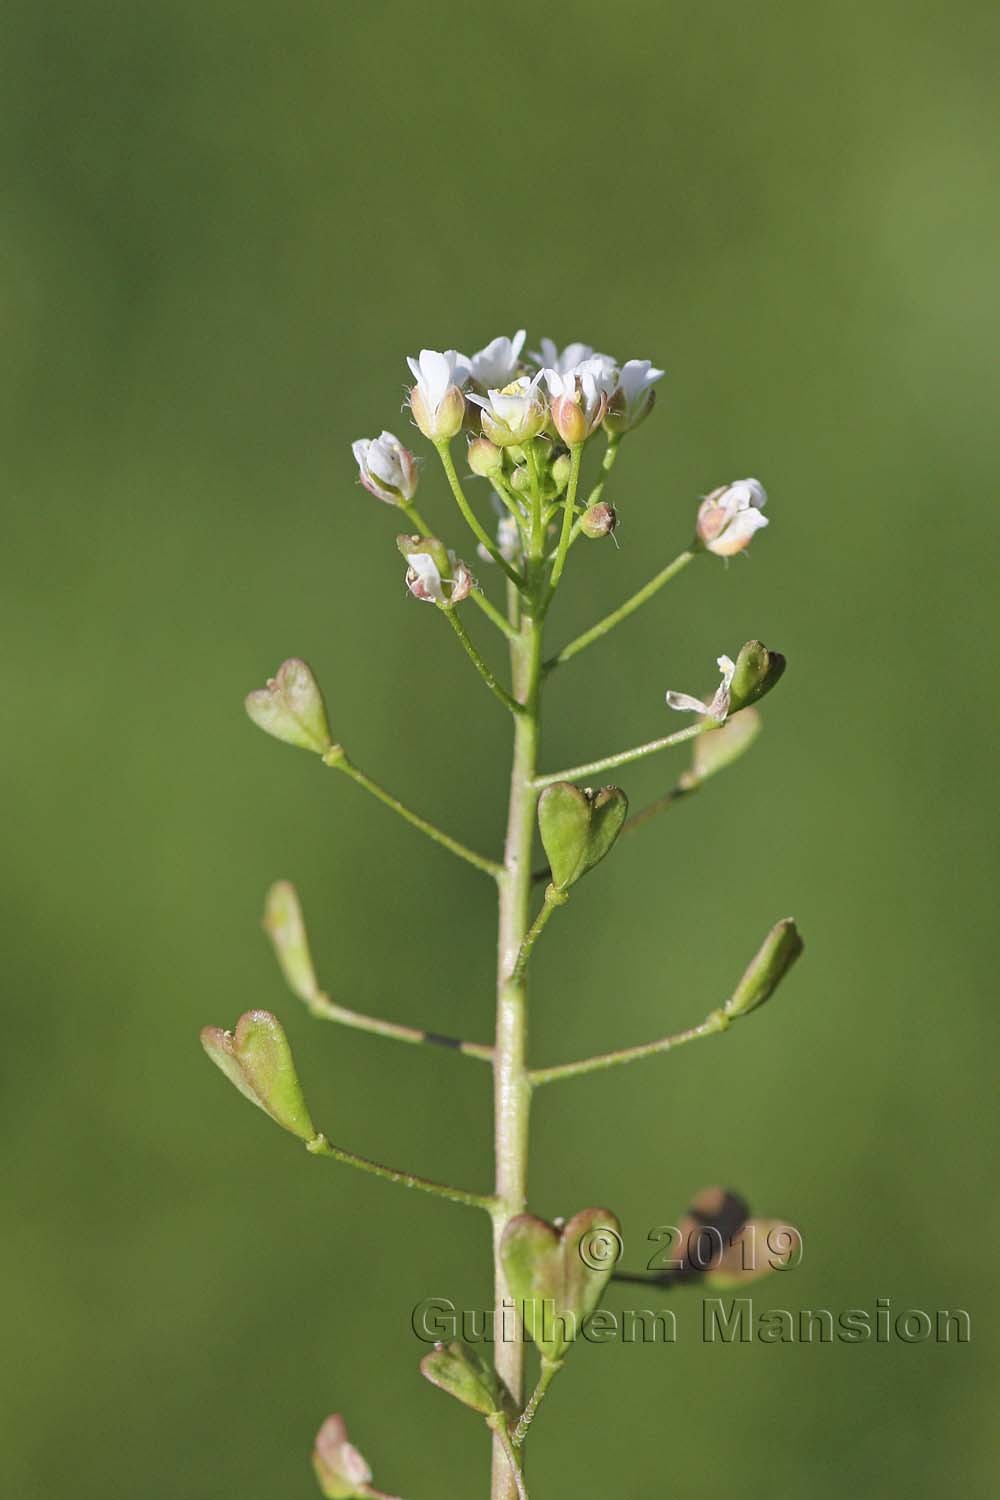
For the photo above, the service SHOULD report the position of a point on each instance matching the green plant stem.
(512, 1458)
(623, 611)
(507, 496)
(478, 531)
(512, 1091)
(416, 521)
(550, 1369)
(495, 687)
(320, 1146)
(492, 613)
(326, 1009)
(340, 762)
(716, 1022)
(610, 762)
(569, 512)
(556, 898)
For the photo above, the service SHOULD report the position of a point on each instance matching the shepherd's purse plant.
(526, 425)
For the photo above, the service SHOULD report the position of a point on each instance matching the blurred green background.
(225, 226)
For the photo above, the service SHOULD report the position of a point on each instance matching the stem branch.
(477, 661)
(340, 762)
(623, 611)
(320, 1146)
(717, 1021)
(610, 762)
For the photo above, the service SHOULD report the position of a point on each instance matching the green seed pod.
(557, 1276)
(767, 969)
(257, 1059)
(291, 708)
(578, 828)
(459, 1370)
(284, 925)
(757, 671)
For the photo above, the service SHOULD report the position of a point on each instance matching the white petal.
(685, 703)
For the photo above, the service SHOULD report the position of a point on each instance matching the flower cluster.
(527, 416)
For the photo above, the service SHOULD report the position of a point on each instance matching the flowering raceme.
(527, 432)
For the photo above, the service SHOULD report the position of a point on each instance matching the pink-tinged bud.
(633, 401)
(600, 520)
(729, 517)
(434, 574)
(485, 458)
(580, 397)
(386, 469)
(436, 400)
(340, 1469)
(515, 414)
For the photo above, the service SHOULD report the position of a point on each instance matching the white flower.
(633, 400)
(436, 400)
(729, 516)
(552, 358)
(386, 468)
(514, 414)
(580, 396)
(718, 708)
(496, 364)
(425, 580)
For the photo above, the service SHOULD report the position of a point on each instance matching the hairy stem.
(512, 1090)
(326, 1009)
(495, 687)
(320, 1146)
(716, 1022)
(623, 757)
(338, 760)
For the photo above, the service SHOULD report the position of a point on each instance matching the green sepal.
(458, 1369)
(757, 671)
(341, 1471)
(578, 828)
(767, 969)
(557, 1276)
(291, 708)
(257, 1059)
(285, 926)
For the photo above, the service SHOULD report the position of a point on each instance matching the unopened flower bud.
(340, 1469)
(757, 671)
(515, 414)
(729, 517)
(485, 458)
(599, 520)
(560, 471)
(291, 708)
(434, 574)
(633, 400)
(436, 400)
(386, 469)
(257, 1059)
(766, 970)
